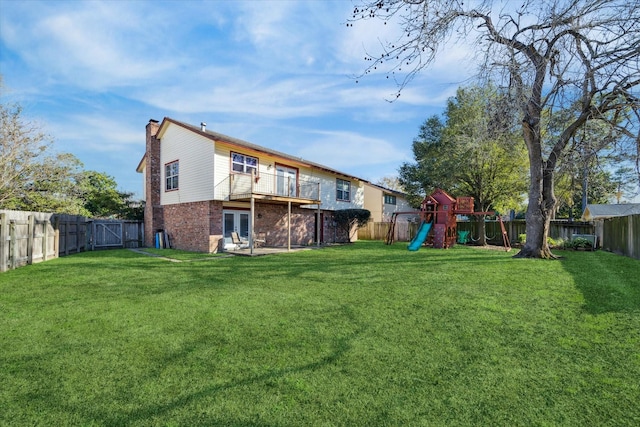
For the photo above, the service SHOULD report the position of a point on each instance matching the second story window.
(171, 176)
(343, 190)
(243, 164)
(389, 199)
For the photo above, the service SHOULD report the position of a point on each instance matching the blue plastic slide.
(420, 237)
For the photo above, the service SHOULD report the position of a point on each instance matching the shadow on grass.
(608, 282)
(340, 346)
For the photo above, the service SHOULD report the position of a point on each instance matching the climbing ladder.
(505, 236)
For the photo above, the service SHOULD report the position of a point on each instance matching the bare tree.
(390, 182)
(22, 147)
(550, 54)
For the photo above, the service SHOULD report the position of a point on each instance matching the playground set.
(438, 211)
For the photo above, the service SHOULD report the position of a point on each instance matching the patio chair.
(260, 240)
(236, 240)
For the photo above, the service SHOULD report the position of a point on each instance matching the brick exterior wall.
(194, 226)
(153, 217)
(271, 224)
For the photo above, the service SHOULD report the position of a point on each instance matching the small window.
(343, 190)
(389, 199)
(171, 176)
(243, 164)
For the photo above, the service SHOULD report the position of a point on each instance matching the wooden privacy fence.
(404, 231)
(78, 233)
(30, 237)
(621, 235)
(26, 238)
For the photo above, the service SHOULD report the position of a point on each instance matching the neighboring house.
(598, 213)
(595, 212)
(383, 203)
(200, 186)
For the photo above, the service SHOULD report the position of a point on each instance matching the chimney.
(203, 126)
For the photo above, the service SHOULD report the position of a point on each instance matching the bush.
(581, 242)
(554, 243)
(349, 220)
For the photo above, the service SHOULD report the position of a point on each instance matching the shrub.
(349, 220)
(581, 242)
(522, 238)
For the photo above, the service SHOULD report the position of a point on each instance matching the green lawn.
(359, 335)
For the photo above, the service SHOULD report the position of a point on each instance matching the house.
(383, 203)
(599, 213)
(200, 186)
(596, 212)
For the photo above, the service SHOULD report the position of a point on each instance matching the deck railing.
(242, 186)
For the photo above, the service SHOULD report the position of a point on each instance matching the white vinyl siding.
(196, 156)
(328, 190)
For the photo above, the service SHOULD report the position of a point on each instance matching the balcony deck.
(269, 188)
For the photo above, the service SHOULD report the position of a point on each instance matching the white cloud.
(88, 44)
(344, 150)
(98, 133)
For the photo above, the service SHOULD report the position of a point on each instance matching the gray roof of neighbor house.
(592, 212)
(240, 143)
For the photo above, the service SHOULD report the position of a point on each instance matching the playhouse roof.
(442, 197)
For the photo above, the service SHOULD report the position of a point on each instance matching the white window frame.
(171, 174)
(342, 194)
(239, 163)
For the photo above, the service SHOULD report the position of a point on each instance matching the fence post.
(31, 231)
(93, 235)
(630, 236)
(66, 235)
(56, 239)
(4, 242)
(13, 245)
(78, 234)
(45, 231)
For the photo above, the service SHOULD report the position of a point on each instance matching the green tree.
(101, 196)
(431, 168)
(550, 54)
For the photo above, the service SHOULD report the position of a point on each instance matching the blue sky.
(275, 73)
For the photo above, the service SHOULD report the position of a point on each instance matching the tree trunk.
(539, 213)
(482, 230)
(541, 198)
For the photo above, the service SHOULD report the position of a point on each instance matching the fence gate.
(107, 234)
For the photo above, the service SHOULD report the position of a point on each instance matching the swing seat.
(463, 237)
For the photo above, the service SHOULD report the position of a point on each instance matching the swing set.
(438, 213)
